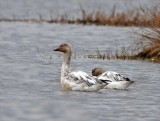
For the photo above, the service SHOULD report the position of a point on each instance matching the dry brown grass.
(148, 47)
(122, 53)
(135, 17)
(132, 17)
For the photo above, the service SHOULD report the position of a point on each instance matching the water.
(29, 72)
(34, 8)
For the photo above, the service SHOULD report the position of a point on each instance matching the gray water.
(55, 8)
(29, 75)
(30, 71)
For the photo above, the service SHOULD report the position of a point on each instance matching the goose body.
(76, 80)
(114, 79)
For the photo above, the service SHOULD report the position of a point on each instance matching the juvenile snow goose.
(114, 79)
(76, 80)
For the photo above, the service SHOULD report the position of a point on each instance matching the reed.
(111, 54)
(132, 17)
(148, 46)
(135, 17)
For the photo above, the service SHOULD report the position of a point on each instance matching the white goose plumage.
(114, 79)
(76, 80)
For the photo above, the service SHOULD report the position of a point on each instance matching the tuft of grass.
(148, 47)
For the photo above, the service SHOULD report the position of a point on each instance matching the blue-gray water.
(29, 70)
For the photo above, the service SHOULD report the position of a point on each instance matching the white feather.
(115, 80)
(76, 80)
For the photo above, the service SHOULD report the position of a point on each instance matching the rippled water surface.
(30, 71)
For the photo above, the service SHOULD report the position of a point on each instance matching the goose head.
(97, 71)
(65, 48)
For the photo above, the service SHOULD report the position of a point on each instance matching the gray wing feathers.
(112, 76)
(80, 77)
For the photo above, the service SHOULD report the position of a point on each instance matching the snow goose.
(76, 80)
(114, 79)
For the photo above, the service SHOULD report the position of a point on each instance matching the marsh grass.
(135, 17)
(132, 17)
(148, 46)
(112, 54)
